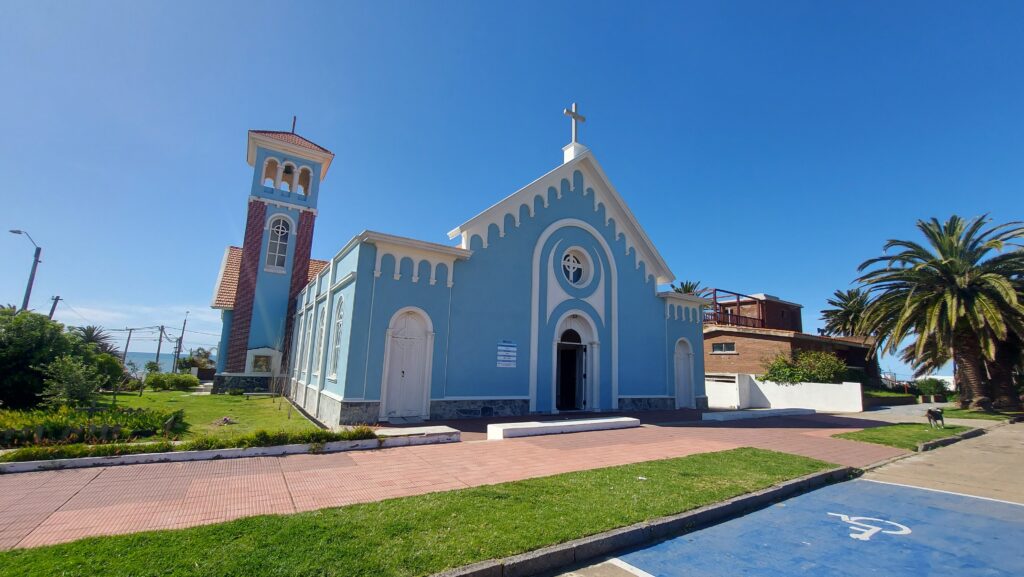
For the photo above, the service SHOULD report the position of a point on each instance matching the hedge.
(205, 443)
(71, 425)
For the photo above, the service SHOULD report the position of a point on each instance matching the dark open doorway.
(570, 372)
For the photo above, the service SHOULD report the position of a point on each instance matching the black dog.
(935, 419)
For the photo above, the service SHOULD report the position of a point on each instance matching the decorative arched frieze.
(416, 253)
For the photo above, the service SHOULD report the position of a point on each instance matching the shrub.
(807, 367)
(182, 382)
(317, 438)
(931, 386)
(70, 381)
(171, 381)
(66, 424)
(821, 367)
(28, 343)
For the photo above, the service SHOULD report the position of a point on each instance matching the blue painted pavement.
(888, 530)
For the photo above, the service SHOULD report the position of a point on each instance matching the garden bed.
(255, 445)
(75, 425)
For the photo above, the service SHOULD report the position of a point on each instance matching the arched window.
(306, 345)
(305, 177)
(277, 243)
(571, 336)
(574, 267)
(270, 173)
(321, 331)
(288, 177)
(339, 319)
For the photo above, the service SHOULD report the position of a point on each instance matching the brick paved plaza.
(57, 506)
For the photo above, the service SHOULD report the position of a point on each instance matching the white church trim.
(603, 192)
(535, 305)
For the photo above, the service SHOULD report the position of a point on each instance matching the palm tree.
(94, 335)
(846, 317)
(691, 287)
(952, 294)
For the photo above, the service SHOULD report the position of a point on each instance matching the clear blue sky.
(765, 146)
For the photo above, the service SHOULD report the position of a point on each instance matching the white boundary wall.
(742, 391)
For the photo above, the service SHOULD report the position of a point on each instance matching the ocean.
(166, 359)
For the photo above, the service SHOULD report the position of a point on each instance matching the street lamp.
(35, 263)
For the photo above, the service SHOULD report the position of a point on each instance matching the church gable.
(538, 196)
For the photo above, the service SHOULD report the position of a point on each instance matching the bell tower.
(273, 263)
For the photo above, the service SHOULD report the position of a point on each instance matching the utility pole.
(181, 339)
(159, 342)
(53, 307)
(124, 354)
(35, 265)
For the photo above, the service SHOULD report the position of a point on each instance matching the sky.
(764, 146)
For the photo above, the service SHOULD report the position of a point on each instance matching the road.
(956, 511)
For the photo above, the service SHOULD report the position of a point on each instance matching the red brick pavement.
(56, 506)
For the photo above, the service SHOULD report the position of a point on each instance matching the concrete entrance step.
(405, 420)
(500, 431)
(753, 414)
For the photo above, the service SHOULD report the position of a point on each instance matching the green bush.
(66, 424)
(807, 367)
(171, 381)
(72, 382)
(931, 386)
(316, 437)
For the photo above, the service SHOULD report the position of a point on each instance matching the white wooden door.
(407, 359)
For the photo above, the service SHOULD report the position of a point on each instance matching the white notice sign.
(508, 351)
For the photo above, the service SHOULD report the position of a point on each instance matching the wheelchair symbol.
(863, 528)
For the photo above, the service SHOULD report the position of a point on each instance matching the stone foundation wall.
(356, 413)
(701, 403)
(329, 413)
(444, 410)
(249, 384)
(647, 404)
(309, 401)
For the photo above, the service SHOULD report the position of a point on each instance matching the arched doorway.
(407, 364)
(575, 366)
(571, 372)
(684, 374)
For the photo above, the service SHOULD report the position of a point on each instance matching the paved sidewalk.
(57, 506)
(989, 466)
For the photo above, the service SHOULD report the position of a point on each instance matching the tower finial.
(294, 118)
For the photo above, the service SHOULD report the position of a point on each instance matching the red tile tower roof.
(227, 284)
(293, 139)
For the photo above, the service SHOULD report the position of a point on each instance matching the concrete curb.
(929, 445)
(431, 438)
(595, 546)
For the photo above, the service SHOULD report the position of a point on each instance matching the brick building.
(743, 333)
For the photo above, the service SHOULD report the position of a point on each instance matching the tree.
(94, 335)
(71, 381)
(953, 294)
(28, 343)
(846, 316)
(152, 367)
(198, 358)
(691, 287)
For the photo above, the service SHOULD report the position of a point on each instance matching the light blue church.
(548, 303)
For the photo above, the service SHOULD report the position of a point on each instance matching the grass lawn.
(903, 435)
(886, 394)
(957, 413)
(427, 533)
(202, 410)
